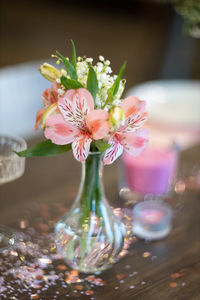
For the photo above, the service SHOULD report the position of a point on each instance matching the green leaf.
(69, 67)
(118, 79)
(73, 60)
(102, 145)
(92, 82)
(70, 83)
(114, 89)
(45, 148)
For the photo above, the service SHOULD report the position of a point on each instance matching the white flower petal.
(81, 147)
(113, 152)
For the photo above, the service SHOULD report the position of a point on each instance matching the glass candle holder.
(152, 219)
(11, 165)
(11, 168)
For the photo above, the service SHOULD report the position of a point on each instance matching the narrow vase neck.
(91, 190)
(92, 169)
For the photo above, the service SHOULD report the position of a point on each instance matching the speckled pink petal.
(86, 97)
(135, 114)
(50, 96)
(135, 142)
(98, 123)
(75, 105)
(135, 121)
(81, 147)
(59, 131)
(38, 118)
(113, 152)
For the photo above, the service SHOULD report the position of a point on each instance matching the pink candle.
(152, 216)
(152, 172)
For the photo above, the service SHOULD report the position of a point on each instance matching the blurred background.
(152, 36)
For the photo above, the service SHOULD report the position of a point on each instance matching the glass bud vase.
(89, 237)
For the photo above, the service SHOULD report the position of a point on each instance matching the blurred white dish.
(175, 103)
(173, 108)
(21, 86)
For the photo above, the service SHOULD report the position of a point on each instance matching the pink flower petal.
(81, 147)
(65, 106)
(86, 97)
(38, 118)
(113, 152)
(50, 96)
(75, 105)
(135, 121)
(98, 123)
(59, 131)
(135, 114)
(130, 105)
(135, 142)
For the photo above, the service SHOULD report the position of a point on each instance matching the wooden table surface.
(51, 183)
(139, 35)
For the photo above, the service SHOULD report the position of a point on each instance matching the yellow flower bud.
(49, 72)
(117, 117)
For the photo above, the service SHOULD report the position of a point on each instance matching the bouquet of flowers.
(83, 111)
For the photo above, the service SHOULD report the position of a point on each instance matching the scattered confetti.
(74, 273)
(79, 287)
(180, 187)
(153, 257)
(90, 278)
(61, 267)
(127, 266)
(89, 292)
(173, 284)
(36, 267)
(146, 254)
(131, 286)
(34, 296)
(23, 224)
(133, 274)
(183, 283)
(120, 276)
(176, 275)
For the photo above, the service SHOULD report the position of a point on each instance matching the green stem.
(91, 189)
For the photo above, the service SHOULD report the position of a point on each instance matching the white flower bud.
(61, 92)
(89, 60)
(99, 67)
(108, 70)
(101, 58)
(49, 72)
(107, 62)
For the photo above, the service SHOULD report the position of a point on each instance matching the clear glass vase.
(90, 236)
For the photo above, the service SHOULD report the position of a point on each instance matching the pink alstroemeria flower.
(49, 96)
(128, 137)
(78, 122)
